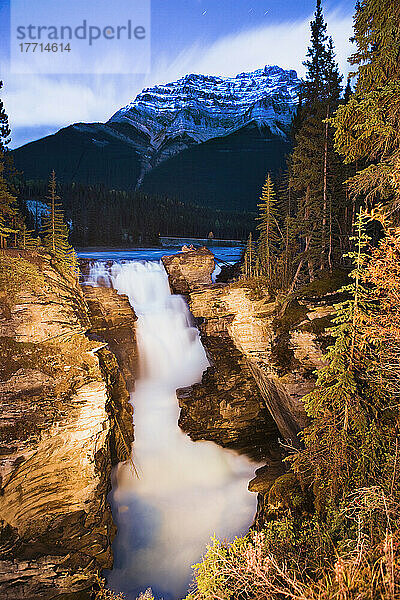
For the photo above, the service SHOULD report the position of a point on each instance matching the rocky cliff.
(65, 420)
(189, 270)
(263, 357)
(112, 320)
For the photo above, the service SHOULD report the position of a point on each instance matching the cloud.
(37, 101)
(284, 44)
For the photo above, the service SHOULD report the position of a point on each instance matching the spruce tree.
(8, 206)
(267, 227)
(338, 405)
(367, 128)
(248, 268)
(312, 161)
(55, 231)
(5, 132)
(314, 84)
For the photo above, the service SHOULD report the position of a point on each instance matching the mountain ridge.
(164, 123)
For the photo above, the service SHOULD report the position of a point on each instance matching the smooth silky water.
(187, 491)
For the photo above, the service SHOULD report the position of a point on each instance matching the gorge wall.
(262, 360)
(65, 421)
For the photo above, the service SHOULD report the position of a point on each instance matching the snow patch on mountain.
(201, 107)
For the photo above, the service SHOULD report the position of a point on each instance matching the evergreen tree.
(288, 247)
(339, 405)
(5, 132)
(347, 92)
(314, 84)
(313, 162)
(367, 128)
(8, 206)
(248, 268)
(8, 209)
(267, 227)
(55, 230)
(26, 238)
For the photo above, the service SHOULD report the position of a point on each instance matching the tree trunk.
(325, 185)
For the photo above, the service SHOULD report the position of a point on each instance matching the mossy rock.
(294, 314)
(286, 493)
(325, 283)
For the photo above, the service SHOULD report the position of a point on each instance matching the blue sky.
(221, 37)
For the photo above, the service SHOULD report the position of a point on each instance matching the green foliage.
(12, 224)
(267, 227)
(331, 524)
(8, 207)
(339, 403)
(102, 217)
(16, 273)
(102, 593)
(315, 77)
(55, 231)
(248, 267)
(5, 132)
(367, 127)
(315, 175)
(325, 283)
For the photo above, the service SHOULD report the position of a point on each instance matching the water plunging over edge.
(187, 492)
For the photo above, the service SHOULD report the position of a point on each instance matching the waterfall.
(186, 492)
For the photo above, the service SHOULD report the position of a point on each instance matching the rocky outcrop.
(263, 359)
(112, 320)
(281, 352)
(226, 407)
(189, 270)
(65, 420)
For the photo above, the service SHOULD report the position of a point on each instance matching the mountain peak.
(202, 107)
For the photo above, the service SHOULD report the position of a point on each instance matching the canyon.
(262, 363)
(71, 361)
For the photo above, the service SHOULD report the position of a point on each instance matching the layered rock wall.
(65, 420)
(189, 270)
(262, 360)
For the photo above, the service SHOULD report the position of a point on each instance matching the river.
(186, 491)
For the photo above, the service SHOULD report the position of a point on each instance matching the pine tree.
(267, 227)
(5, 132)
(347, 92)
(26, 238)
(339, 404)
(8, 206)
(55, 230)
(288, 246)
(312, 162)
(367, 128)
(314, 84)
(248, 268)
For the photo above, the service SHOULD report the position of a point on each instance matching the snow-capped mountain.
(203, 107)
(202, 138)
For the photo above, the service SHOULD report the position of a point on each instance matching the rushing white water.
(186, 492)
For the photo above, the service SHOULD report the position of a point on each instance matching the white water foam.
(186, 492)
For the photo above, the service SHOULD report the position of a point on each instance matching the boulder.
(189, 270)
